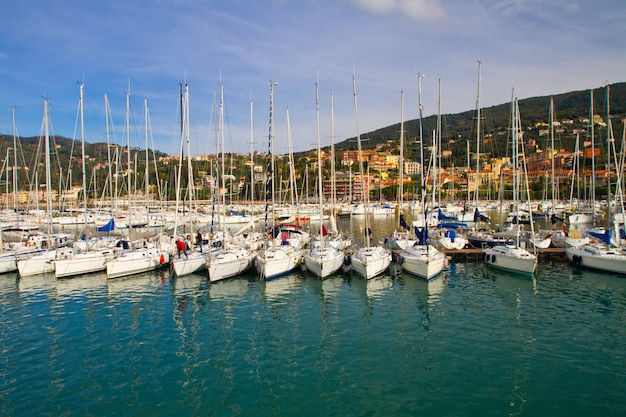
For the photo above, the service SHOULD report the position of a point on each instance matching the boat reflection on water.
(136, 286)
(189, 284)
(332, 285)
(378, 286)
(37, 284)
(278, 288)
(435, 288)
(8, 283)
(228, 289)
(83, 285)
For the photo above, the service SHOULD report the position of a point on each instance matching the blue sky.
(540, 47)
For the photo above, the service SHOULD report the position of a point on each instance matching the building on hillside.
(412, 168)
(348, 186)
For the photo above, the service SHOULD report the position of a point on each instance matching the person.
(199, 240)
(180, 245)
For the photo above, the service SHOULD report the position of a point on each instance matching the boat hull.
(424, 262)
(194, 262)
(511, 259)
(370, 262)
(229, 264)
(40, 263)
(82, 263)
(594, 257)
(323, 262)
(8, 263)
(277, 261)
(131, 263)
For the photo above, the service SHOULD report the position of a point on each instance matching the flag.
(403, 223)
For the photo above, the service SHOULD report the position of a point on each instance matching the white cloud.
(414, 9)
(509, 7)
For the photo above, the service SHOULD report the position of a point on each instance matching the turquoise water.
(474, 342)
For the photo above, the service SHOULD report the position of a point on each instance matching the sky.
(147, 47)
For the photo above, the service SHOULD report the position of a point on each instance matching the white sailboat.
(8, 259)
(421, 258)
(194, 260)
(513, 257)
(43, 262)
(401, 237)
(334, 237)
(611, 256)
(226, 261)
(368, 261)
(276, 258)
(137, 260)
(246, 237)
(322, 260)
(82, 262)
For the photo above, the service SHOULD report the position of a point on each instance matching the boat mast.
(514, 156)
(82, 150)
(251, 158)
(333, 181)
(552, 154)
(364, 192)
(183, 127)
(46, 116)
(476, 185)
(223, 156)
(319, 165)
(15, 179)
(269, 183)
(420, 77)
(190, 183)
(438, 146)
(593, 161)
(401, 161)
(128, 161)
(147, 168)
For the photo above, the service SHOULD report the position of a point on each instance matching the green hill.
(458, 128)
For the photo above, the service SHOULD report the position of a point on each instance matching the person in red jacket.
(180, 245)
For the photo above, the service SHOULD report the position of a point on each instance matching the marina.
(473, 339)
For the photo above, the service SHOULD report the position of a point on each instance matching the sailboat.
(322, 260)
(8, 259)
(226, 261)
(195, 260)
(246, 237)
(368, 261)
(276, 258)
(586, 215)
(87, 261)
(609, 256)
(512, 257)
(421, 258)
(136, 260)
(43, 262)
(334, 237)
(401, 237)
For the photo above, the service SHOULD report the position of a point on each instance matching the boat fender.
(400, 259)
(577, 260)
(347, 260)
(161, 259)
(485, 257)
(493, 259)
